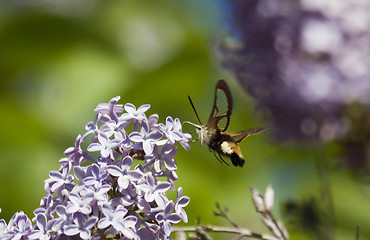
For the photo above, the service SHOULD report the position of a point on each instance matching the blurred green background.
(59, 59)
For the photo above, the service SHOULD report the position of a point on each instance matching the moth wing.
(222, 107)
(240, 136)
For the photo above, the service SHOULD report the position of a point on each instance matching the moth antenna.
(192, 105)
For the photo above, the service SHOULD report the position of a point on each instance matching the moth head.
(204, 135)
(198, 129)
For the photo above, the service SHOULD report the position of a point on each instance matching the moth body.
(220, 142)
(214, 135)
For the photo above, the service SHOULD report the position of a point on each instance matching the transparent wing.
(240, 136)
(222, 107)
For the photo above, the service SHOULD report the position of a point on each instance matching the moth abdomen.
(231, 149)
(236, 160)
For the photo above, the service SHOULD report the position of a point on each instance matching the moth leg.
(220, 159)
(216, 156)
(223, 159)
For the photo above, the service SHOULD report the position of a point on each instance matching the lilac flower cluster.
(119, 191)
(304, 61)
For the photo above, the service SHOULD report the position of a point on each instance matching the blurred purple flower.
(304, 61)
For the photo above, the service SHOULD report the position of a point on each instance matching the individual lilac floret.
(76, 152)
(81, 226)
(137, 116)
(118, 129)
(124, 174)
(43, 228)
(79, 205)
(181, 202)
(60, 179)
(118, 221)
(116, 193)
(111, 109)
(147, 138)
(171, 133)
(20, 225)
(5, 233)
(167, 218)
(105, 145)
(164, 157)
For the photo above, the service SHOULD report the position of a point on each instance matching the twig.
(224, 213)
(263, 205)
(243, 232)
(278, 227)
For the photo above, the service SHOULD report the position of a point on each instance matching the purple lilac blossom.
(117, 192)
(166, 218)
(137, 116)
(305, 62)
(182, 201)
(147, 138)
